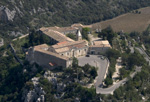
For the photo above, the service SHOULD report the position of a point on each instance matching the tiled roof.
(72, 44)
(52, 54)
(52, 64)
(100, 46)
(55, 35)
(62, 43)
(63, 29)
(60, 50)
(42, 46)
(44, 49)
(68, 46)
(103, 43)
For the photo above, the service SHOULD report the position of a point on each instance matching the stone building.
(64, 30)
(55, 36)
(72, 49)
(47, 59)
(63, 48)
(99, 47)
(61, 52)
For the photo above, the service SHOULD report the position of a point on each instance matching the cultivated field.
(128, 22)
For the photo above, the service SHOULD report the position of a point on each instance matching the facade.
(63, 49)
(72, 49)
(40, 55)
(99, 47)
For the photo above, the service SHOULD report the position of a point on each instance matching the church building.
(63, 48)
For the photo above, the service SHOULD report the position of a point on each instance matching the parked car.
(102, 57)
(101, 85)
(87, 55)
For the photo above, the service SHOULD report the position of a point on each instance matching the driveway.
(102, 69)
(95, 60)
(111, 89)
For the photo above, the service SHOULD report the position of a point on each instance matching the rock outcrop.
(35, 95)
(1, 42)
(6, 14)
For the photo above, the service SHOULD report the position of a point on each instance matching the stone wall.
(70, 32)
(43, 59)
(98, 50)
(75, 52)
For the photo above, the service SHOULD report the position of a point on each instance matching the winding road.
(111, 89)
(102, 65)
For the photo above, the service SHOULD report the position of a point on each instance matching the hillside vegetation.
(21, 15)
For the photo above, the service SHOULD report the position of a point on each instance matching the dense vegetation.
(35, 38)
(107, 34)
(38, 13)
(13, 77)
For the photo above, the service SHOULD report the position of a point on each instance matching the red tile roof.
(52, 64)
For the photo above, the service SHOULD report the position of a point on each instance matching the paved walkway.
(20, 37)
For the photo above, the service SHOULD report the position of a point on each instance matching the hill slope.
(129, 22)
(20, 15)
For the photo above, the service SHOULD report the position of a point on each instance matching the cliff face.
(6, 14)
(20, 15)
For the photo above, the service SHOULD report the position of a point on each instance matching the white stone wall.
(75, 52)
(68, 32)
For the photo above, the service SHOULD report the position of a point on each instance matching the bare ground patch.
(128, 22)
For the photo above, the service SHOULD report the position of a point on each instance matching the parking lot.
(97, 61)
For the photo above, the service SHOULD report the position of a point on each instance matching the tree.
(86, 67)
(136, 59)
(85, 32)
(93, 72)
(112, 53)
(108, 34)
(108, 81)
(75, 62)
(72, 36)
(31, 37)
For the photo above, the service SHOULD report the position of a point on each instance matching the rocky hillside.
(17, 16)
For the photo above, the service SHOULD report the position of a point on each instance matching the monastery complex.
(63, 48)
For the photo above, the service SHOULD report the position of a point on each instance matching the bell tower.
(79, 35)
